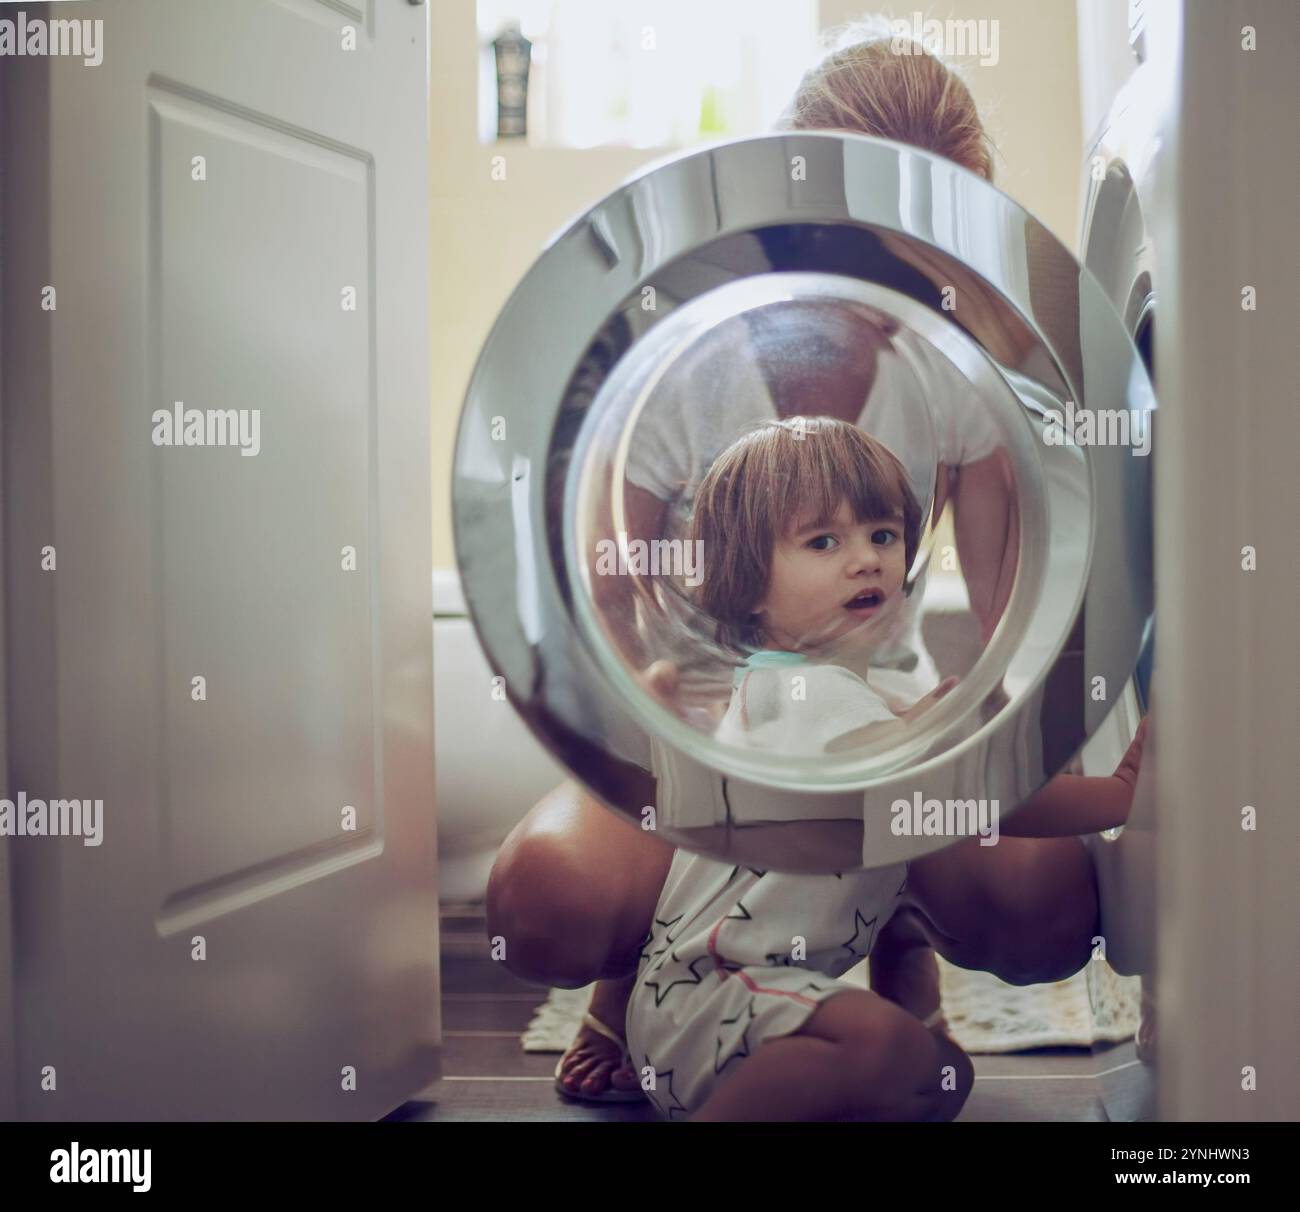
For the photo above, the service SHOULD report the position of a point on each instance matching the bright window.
(649, 73)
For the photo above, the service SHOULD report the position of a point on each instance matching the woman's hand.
(1131, 762)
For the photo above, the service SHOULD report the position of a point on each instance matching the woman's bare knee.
(1025, 909)
(537, 916)
(1047, 915)
(572, 890)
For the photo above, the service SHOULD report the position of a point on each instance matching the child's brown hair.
(785, 473)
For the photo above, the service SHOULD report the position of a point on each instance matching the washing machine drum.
(766, 449)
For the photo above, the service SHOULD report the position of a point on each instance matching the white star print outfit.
(719, 972)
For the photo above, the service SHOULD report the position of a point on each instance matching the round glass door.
(770, 511)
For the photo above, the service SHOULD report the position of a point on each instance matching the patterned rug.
(984, 1014)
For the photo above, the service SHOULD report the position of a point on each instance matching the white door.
(256, 935)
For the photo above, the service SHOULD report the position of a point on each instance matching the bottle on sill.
(513, 52)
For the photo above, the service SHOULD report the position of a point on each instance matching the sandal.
(610, 1094)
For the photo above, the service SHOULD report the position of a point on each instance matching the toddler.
(809, 527)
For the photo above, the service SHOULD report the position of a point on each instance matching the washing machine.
(1116, 244)
(780, 279)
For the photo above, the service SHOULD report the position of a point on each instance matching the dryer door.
(765, 443)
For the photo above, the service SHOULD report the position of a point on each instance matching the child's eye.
(817, 544)
(884, 537)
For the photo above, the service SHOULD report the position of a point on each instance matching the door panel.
(225, 814)
(284, 719)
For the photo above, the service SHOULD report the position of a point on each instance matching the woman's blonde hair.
(877, 84)
(778, 478)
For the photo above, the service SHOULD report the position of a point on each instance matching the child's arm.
(881, 729)
(1073, 804)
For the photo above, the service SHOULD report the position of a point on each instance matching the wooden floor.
(487, 1075)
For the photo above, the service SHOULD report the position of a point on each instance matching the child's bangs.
(837, 465)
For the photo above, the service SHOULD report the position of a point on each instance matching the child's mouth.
(865, 602)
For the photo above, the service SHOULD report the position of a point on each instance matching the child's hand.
(878, 730)
(662, 680)
(925, 702)
(1127, 770)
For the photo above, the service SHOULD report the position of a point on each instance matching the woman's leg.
(1024, 909)
(857, 1057)
(573, 890)
(572, 894)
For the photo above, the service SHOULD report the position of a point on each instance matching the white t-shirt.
(683, 428)
(693, 419)
(765, 713)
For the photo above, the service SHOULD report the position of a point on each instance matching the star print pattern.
(718, 976)
(649, 952)
(815, 987)
(733, 1038)
(670, 1105)
(663, 986)
(864, 933)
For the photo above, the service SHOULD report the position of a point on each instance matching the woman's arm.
(615, 597)
(1074, 804)
(987, 528)
(1069, 805)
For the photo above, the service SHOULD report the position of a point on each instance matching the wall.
(1106, 61)
(486, 233)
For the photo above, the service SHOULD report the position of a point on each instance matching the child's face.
(828, 580)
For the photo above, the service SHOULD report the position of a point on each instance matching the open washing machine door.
(827, 280)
